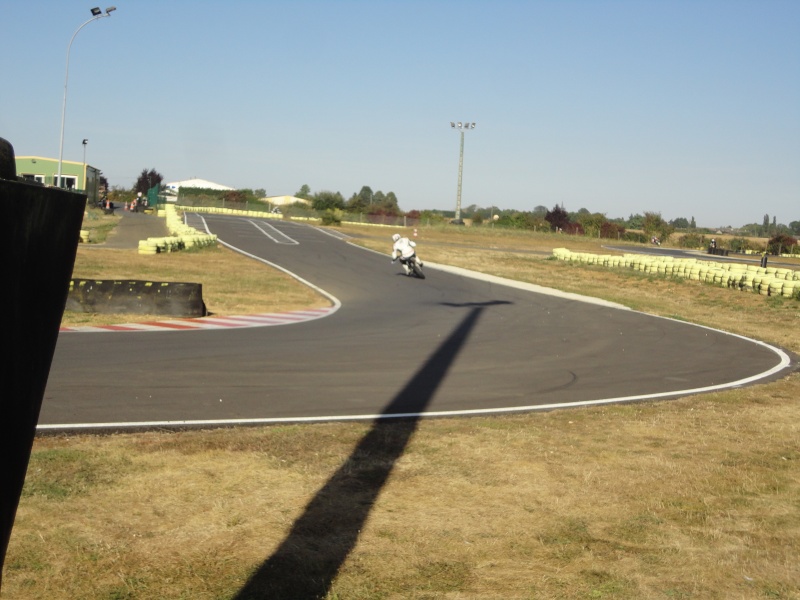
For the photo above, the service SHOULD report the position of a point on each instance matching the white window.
(69, 181)
(32, 177)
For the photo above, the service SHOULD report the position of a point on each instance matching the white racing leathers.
(404, 250)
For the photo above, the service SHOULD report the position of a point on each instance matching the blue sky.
(685, 108)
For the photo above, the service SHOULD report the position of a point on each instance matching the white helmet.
(395, 237)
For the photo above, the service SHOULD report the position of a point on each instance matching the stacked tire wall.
(766, 281)
(183, 236)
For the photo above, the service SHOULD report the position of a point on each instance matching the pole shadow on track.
(307, 561)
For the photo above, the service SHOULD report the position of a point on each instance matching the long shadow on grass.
(307, 561)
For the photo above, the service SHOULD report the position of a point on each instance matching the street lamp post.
(462, 127)
(96, 14)
(84, 142)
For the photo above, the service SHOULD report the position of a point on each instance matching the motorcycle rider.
(403, 249)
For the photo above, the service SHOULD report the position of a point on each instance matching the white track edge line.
(785, 361)
(336, 303)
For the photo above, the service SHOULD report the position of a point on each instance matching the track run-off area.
(389, 346)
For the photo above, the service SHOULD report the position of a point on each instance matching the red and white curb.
(207, 323)
(233, 322)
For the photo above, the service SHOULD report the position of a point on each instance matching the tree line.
(366, 201)
(771, 228)
(581, 222)
(637, 227)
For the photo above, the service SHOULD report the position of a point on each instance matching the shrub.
(742, 245)
(636, 236)
(613, 231)
(781, 243)
(574, 229)
(332, 217)
(692, 240)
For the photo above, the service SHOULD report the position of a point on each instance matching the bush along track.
(766, 281)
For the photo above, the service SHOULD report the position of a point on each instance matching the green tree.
(358, 203)
(752, 229)
(654, 226)
(470, 211)
(119, 195)
(794, 227)
(385, 204)
(327, 200)
(592, 223)
(692, 224)
(680, 223)
(391, 199)
(539, 211)
(366, 195)
(635, 221)
(304, 193)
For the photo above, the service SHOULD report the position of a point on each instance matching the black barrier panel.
(41, 228)
(8, 167)
(136, 297)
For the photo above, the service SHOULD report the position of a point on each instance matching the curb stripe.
(208, 323)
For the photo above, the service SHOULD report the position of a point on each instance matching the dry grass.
(693, 498)
(232, 285)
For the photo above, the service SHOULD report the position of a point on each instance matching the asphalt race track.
(451, 344)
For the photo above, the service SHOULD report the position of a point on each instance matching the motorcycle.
(414, 266)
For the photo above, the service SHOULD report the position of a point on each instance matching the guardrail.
(766, 281)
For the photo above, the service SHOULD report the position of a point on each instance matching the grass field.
(691, 498)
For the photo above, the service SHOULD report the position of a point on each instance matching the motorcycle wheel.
(417, 270)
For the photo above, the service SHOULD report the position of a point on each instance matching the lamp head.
(110, 9)
(96, 11)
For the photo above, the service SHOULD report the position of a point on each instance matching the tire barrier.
(234, 211)
(766, 281)
(137, 297)
(182, 237)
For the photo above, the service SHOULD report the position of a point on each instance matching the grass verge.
(232, 284)
(691, 498)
